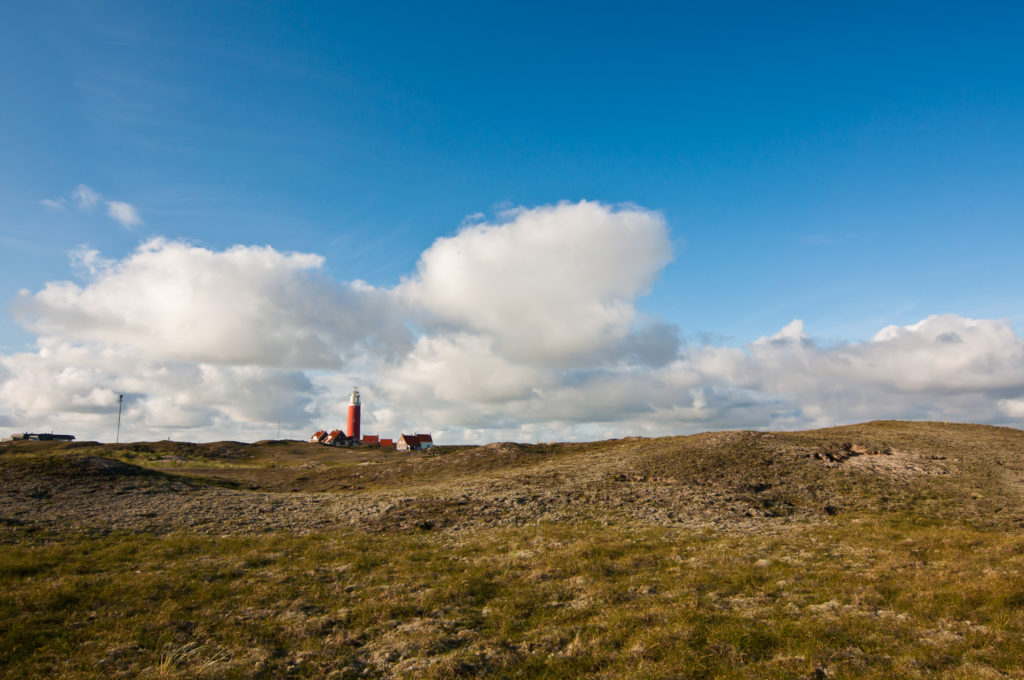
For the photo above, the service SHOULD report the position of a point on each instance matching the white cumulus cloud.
(554, 283)
(245, 305)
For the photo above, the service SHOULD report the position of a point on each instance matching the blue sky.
(852, 166)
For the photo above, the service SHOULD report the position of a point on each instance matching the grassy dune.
(882, 550)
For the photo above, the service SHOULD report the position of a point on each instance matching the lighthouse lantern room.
(353, 415)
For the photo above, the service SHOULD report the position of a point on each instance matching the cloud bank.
(521, 328)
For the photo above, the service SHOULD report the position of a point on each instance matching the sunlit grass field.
(859, 597)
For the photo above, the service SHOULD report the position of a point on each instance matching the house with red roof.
(336, 438)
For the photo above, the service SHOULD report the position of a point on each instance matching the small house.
(336, 438)
(414, 442)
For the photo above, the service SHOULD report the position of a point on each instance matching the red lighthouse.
(353, 415)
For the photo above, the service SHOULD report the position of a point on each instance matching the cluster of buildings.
(351, 436)
(40, 437)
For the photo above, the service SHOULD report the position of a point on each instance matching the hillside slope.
(742, 479)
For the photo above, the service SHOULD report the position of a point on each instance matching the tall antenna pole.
(120, 400)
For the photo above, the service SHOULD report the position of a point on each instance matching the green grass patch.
(859, 598)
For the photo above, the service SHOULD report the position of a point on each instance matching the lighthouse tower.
(353, 415)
